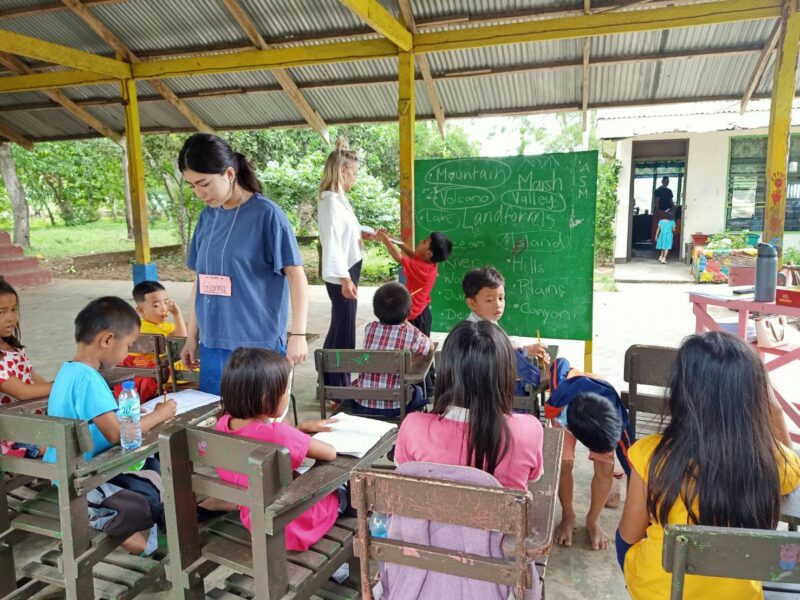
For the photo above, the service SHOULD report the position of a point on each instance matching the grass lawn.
(101, 236)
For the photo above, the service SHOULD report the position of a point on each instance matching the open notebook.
(354, 436)
(185, 399)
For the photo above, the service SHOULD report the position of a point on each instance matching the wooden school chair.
(265, 570)
(763, 555)
(174, 346)
(495, 509)
(147, 343)
(357, 362)
(647, 365)
(86, 564)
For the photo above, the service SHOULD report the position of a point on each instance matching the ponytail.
(341, 157)
(207, 153)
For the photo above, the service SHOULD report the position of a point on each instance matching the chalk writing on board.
(532, 218)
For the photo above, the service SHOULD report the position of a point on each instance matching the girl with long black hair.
(248, 265)
(724, 460)
(472, 423)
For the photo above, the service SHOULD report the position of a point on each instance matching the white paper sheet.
(354, 436)
(186, 400)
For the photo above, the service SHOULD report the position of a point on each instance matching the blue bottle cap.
(127, 385)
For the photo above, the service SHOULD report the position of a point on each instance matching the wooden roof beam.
(15, 136)
(761, 65)
(108, 36)
(563, 28)
(23, 45)
(312, 117)
(382, 21)
(425, 70)
(16, 65)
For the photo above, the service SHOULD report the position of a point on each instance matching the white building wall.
(706, 184)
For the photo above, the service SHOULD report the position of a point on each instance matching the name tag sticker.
(215, 285)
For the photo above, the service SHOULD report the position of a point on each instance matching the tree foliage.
(606, 210)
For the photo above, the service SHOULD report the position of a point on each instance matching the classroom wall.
(706, 184)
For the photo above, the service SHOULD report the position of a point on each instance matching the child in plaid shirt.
(392, 331)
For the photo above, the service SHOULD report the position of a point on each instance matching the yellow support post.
(406, 114)
(587, 356)
(142, 269)
(780, 120)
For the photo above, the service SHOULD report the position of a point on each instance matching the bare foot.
(564, 530)
(614, 498)
(597, 537)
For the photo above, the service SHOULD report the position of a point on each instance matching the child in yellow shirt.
(155, 307)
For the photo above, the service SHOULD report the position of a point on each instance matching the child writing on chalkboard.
(255, 391)
(485, 294)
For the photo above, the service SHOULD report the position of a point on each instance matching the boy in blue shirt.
(485, 294)
(104, 331)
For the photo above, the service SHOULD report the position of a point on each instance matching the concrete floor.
(649, 270)
(637, 313)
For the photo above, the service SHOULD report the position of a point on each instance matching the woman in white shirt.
(342, 250)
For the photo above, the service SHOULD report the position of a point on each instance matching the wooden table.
(783, 355)
(107, 465)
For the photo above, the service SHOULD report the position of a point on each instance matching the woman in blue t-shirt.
(248, 265)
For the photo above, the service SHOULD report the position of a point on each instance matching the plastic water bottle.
(378, 525)
(130, 434)
(766, 273)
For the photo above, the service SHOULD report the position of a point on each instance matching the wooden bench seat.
(264, 568)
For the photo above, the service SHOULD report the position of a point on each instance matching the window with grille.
(747, 187)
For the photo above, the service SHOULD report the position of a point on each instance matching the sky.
(499, 136)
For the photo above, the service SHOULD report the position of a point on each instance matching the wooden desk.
(116, 460)
(783, 355)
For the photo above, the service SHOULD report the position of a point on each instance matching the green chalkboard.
(531, 217)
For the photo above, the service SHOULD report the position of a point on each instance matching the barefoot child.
(591, 412)
(255, 391)
(104, 330)
(724, 460)
(666, 227)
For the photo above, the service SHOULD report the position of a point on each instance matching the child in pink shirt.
(472, 423)
(255, 391)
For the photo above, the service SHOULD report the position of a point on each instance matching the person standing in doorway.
(248, 265)
(342, 250)
(664, 196)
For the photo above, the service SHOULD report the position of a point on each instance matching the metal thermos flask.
(766, 273)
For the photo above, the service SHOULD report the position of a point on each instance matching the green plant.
(728, 239)
(606, 210)
(791, 255)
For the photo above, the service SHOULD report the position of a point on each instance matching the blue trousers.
(212, 362)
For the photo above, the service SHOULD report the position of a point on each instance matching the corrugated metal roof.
(151, 27)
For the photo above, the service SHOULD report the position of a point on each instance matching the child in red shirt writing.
(421, 267)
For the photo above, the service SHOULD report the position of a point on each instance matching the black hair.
(141, 289)
(477, 371)
(440, 247)
(594, 421)
(670, 213)
(12, 340)
(483, 277)
(253, 382)
(718, 454)
(108, 313)
(391, 303)
(208, 153)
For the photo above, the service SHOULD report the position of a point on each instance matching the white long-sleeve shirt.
(339, 234)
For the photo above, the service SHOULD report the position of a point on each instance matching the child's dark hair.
(391, 303)
(253, 382)
(12, 340)
(477, 371)
(718, 454)
(108, 313)
(670, 214)
(141, 289)
(208, 153)
(477, 279)
(594, 421)
(440, 247)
